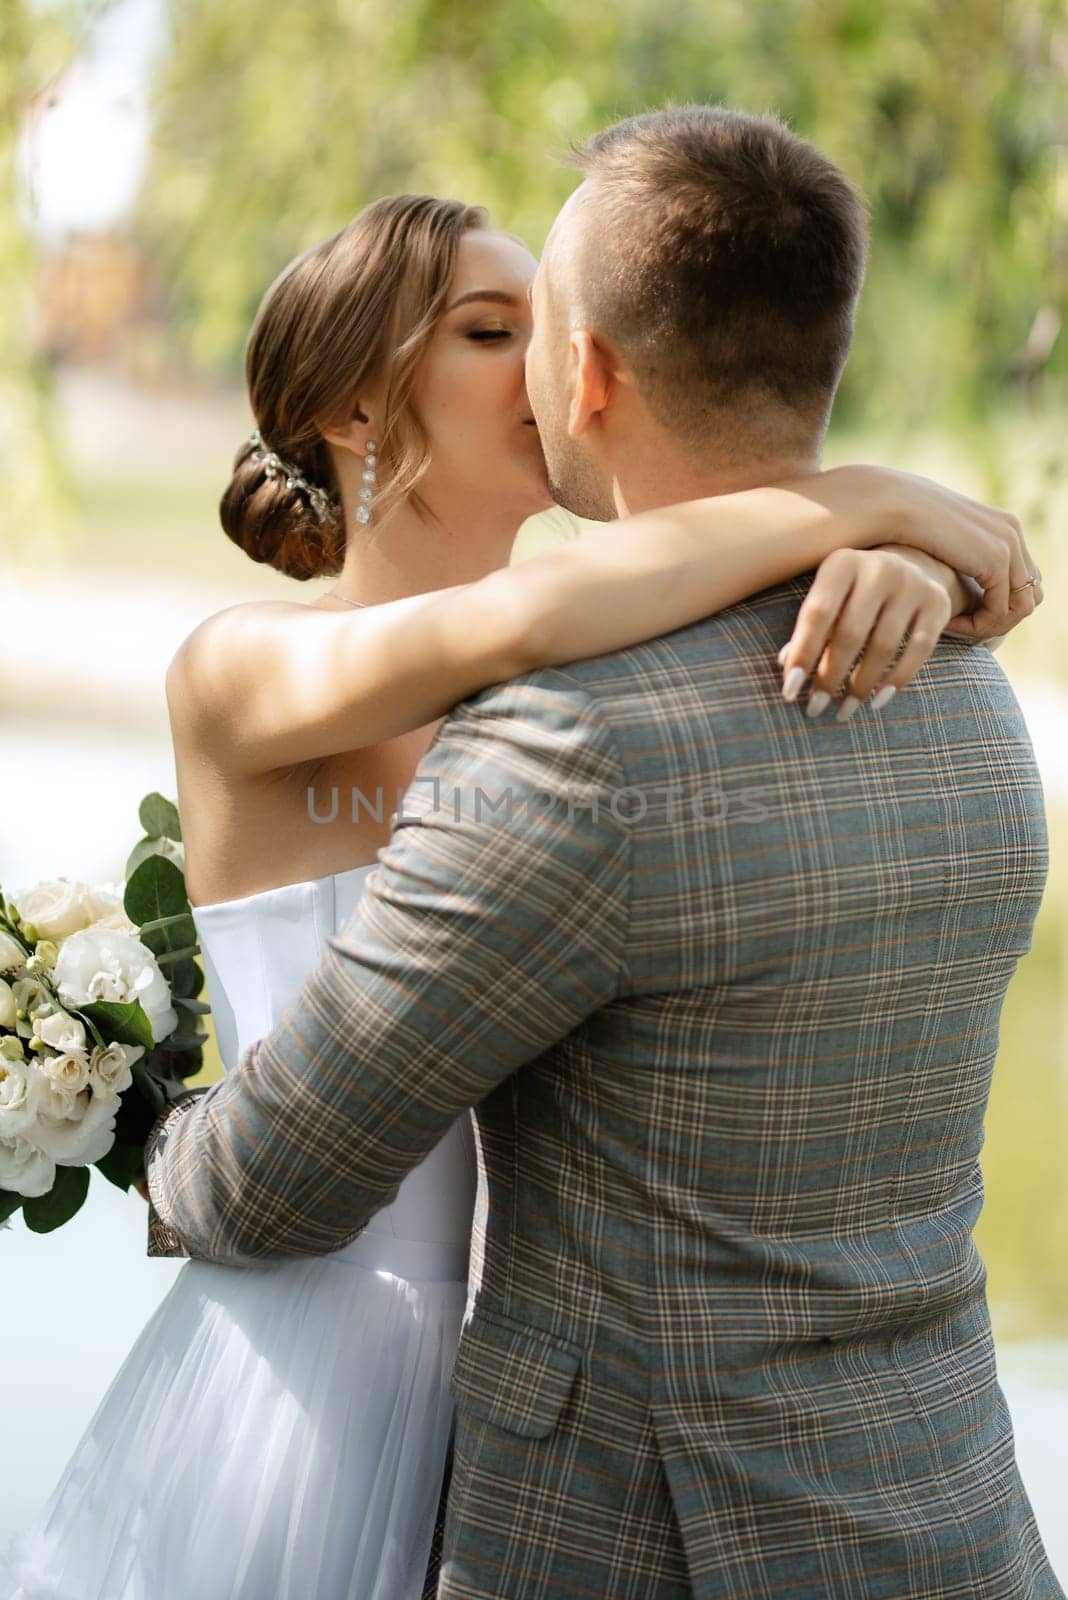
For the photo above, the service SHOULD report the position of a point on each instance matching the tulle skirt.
(278, 1432)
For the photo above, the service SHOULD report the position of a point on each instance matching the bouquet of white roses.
(98, 1022)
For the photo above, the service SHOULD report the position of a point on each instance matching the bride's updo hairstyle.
(353, 313)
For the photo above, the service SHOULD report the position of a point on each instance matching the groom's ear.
(593, 368)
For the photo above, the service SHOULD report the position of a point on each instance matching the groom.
(723, 984)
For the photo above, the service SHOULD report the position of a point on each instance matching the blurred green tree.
(39, 39)
(275, 126)
(34, 43)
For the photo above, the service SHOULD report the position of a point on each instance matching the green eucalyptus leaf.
(161, 923)
(153, 847)
(187, 1065)
(186, 1041)
(66, 1197)
(186, 980)
(194, 1008)
(94, 1027)
(178, 1064)
(138, 1110)
(174, 943)
(147, 1080)
(9, 1204)
(124, 1165)
(155, 890)
(123, 1021)
(159, 817)
(176, 955)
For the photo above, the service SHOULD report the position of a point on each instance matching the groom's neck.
(645, 485)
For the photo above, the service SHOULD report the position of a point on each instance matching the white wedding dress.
(279, 1431)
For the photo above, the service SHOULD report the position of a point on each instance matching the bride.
(281, 1429)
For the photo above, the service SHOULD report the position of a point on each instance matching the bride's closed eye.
(483, 334)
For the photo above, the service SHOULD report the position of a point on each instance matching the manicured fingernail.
(781, 657)
(884, 697)
(849, 708)
(794, 679)
(817, 703)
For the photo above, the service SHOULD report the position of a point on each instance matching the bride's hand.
(977, 540)
(851, 627)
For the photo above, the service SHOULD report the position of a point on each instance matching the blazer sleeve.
(494, 924)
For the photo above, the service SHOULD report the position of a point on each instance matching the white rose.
(80, 1142)
(19, 1098)
(119, 921)
(106, 964)
(70, 1068)
(24, 1168)
(62, 1032)
(57, 1100)
(106, 908)
(7, 1005)
(31, 997)
(55, 907)
(109, 1070)
(11, 956)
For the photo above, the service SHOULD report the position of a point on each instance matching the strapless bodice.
(257, 953)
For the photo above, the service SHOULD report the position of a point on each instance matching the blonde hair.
(358, 309)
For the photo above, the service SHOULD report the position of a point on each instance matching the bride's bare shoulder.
(225, 647)
(238, 626)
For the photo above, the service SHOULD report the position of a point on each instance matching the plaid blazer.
(724, 986)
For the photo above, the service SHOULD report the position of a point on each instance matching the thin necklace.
(346, 599)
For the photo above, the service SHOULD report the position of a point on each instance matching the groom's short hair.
(724, 260)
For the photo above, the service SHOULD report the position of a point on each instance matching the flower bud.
(12, 955)
(11, 1048)
(29, 933)
(47, 952)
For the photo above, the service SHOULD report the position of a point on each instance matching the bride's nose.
(520, 370)
(526, 410)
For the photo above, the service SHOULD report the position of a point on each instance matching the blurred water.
(71, 796)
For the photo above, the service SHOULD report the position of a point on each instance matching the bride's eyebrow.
(497, 297)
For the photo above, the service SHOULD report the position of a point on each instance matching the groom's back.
(746, 1188)
(823, 922)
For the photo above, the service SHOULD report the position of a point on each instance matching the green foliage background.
(275, 125)
(37, 42)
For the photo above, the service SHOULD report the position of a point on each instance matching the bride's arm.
(269, 685)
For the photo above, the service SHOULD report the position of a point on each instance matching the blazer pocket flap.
(512, 1375)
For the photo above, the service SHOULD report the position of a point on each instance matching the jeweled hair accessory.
(274, 467)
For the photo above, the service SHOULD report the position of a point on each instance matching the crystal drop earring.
(370, 483)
